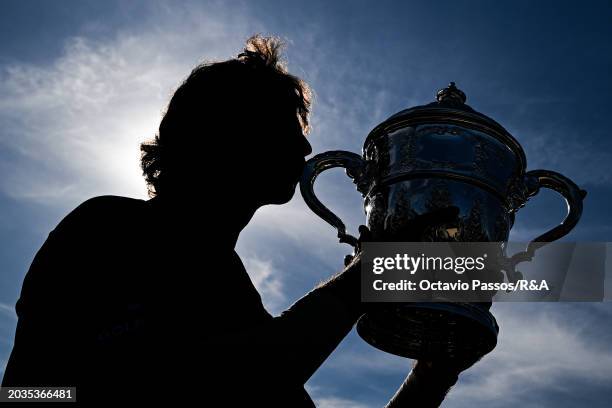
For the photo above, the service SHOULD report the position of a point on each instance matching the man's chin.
(282, 196)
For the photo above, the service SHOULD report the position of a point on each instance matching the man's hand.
(364, 236)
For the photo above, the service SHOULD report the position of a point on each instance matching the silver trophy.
(440, 172)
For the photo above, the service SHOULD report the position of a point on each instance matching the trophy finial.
(451, 95)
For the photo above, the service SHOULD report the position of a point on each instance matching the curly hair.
(208, 95)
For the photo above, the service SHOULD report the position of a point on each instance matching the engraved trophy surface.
(440, 172)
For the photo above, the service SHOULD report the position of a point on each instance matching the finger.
(348, 259)
(364, 233)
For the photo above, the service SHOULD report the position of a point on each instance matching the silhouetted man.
(147, 300)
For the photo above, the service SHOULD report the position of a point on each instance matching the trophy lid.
(449, 107)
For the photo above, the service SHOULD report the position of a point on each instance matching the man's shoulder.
(64, 261)
(100, 211)
(109, 203)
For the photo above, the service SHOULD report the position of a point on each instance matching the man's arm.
(425, 387)
(320, 320)
(292, 346)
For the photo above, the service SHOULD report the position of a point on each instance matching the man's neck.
(218, 223)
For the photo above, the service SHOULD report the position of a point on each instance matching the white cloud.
(541, 352)
(325, 399)
(334, 402)
(538, 351)
(297, 224)
(8, 310)
(267, 281)
(73, 127)
(578, 158)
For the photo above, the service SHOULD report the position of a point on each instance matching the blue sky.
(83, 82)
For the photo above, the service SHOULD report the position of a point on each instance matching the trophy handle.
(355, 168)
(573, 196)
